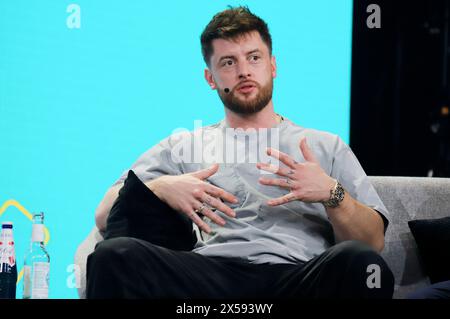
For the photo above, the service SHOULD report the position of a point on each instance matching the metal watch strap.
(336, 196)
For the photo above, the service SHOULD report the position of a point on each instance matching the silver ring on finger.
(201, 208)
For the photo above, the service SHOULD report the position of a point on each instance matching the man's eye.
(229, 62)
(255, 57)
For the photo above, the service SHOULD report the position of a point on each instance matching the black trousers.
(133, 263)
(438, 290)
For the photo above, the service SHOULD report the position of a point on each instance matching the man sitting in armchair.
(307, 224)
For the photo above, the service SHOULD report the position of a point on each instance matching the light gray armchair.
(406, 198)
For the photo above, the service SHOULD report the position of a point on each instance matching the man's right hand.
(188, 193)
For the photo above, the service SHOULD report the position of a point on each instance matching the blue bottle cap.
(7, 225)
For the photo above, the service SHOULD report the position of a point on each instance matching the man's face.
(245, 67)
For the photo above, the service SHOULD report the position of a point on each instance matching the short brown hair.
(232, 24)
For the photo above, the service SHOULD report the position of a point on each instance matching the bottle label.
(11, 254)
(40, 279)
(2, 254)
(37, 233)
(7, 253)
(26, 282)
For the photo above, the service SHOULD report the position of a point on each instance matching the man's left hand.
(307, 181)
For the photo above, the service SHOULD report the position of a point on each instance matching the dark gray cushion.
(138, 212)
(433, 240)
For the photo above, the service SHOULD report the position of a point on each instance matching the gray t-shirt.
(290, 233)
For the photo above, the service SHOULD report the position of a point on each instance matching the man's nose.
(243, 70)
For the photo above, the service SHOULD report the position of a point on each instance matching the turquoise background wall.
(79, 105)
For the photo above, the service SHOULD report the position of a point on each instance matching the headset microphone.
(226, 90)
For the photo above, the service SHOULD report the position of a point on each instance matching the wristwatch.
(336, 196)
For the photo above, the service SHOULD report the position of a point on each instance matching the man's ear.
(210, 79)
(273, 64)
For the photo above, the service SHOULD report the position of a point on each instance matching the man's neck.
(266, 118)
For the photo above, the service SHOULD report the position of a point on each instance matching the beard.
(243, 105)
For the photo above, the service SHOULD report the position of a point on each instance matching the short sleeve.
(349, 172)
(157, 161)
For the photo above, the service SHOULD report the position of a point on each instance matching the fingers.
(207, 204)
(306, 151)
(220, 193)
(282, 182)
(198, 221)
(211, 189)
(203, 209)
(281, 200)
(206, 172)
(282, 171)
(283, 157)
(214, 217)
(214, 202)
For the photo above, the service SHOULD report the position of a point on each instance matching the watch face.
(336, 196)
(340, 192)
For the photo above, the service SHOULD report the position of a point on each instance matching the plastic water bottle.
(36, 270)
(8, 268)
